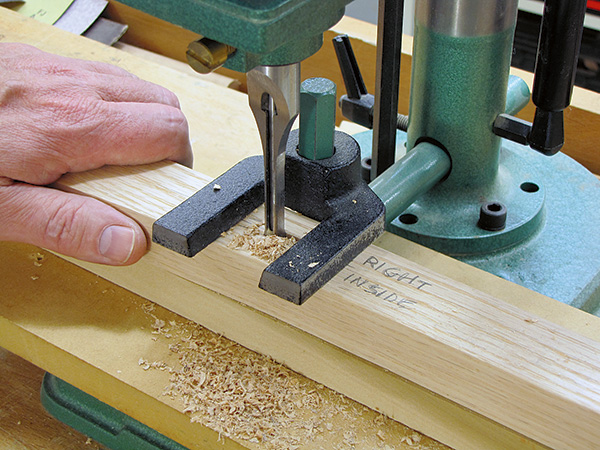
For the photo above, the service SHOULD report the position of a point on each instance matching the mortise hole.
(529, 187)
(408, 219)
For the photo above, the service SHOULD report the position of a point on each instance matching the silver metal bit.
(274, 96)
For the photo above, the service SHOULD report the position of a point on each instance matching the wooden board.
(86, 349)
(516, 368)
(73, 324)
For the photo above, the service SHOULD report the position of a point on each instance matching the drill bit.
(274, 96)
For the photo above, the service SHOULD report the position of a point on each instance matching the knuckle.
(177, 121)
(72, 110)
(105, 68)
(63, 68)
(70, 125)
(171, 98)
(64, 229)
(74, 118)
(12, 90)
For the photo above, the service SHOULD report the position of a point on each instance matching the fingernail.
(116, 243)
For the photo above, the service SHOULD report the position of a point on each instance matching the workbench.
(70, 322)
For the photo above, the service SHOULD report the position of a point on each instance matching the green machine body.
(495, 203)
(262, 32)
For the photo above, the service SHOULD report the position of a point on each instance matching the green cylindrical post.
(517, 96)
(317, 118)
(410, 177)
(461, 62)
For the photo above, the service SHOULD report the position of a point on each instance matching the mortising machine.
(460, 174)
(475, 183)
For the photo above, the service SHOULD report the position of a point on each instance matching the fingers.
(60, 114)
(73, 225)
(64, 135)
(132, 90)
(104, 68)
(110, 87)
(128, 134)
(80, 77)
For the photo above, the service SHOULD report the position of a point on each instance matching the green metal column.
(461, 61)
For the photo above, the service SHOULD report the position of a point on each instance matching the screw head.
(492, 216)
(206, 55)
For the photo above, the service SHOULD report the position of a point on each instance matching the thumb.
(70, 224)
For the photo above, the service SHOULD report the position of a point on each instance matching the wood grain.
(520, 370)
(73, 323)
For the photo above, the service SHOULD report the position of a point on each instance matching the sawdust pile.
(251, 398)
(268, 248)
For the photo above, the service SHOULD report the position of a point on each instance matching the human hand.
(60, 115)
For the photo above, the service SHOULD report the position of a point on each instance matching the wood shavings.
(267, 248)
(38, 258)
(253, 399)
(412, 440)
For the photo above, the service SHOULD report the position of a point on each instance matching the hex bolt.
(206, 55)
(317, 118)
(492, 216)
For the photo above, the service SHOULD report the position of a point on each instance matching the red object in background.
(594, 4)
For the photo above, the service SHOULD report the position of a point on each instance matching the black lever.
(357, 105)
(353, 80)
(555, 68)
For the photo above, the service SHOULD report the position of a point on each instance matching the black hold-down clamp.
(329, 190)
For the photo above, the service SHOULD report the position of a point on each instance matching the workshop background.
(526, 35)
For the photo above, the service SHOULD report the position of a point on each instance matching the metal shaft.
(463, 18)
(410, 177)
(274, 181)
(385, 112)
(274, 96)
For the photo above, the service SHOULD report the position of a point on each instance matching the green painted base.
(446, 219)
(552, 240)
(98, 420)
